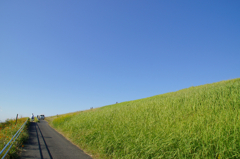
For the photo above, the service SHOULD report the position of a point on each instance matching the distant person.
(32, 117)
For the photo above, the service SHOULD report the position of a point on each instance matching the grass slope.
(197, 122)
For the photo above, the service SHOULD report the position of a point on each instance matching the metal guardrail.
(14, 137)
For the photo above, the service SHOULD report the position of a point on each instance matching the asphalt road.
(45, 143)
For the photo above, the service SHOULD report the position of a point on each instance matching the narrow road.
(45, 143)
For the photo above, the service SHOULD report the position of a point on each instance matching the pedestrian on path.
(32, 117)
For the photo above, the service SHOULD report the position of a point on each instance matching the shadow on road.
(45, 142)
(36, 144)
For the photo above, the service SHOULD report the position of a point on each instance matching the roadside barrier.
(14, 137)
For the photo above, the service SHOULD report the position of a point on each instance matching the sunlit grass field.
(7, 131)
(197, 122)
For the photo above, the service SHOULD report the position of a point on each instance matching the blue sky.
(64, 56)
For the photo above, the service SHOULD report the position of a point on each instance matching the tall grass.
(197, 122)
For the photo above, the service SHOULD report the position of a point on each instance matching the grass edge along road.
(8, 130)
(197, 122)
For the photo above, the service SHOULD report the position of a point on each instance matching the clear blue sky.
(64, 56)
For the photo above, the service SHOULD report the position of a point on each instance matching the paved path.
(45, 143)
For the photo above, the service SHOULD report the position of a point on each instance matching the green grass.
(36, 120)
(7, 131)
(197, 122)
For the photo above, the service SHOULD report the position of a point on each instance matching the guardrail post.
(16, 119)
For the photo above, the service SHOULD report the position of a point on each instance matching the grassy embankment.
(8, 130)
(197, 122)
